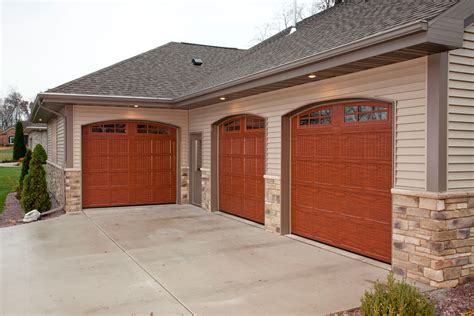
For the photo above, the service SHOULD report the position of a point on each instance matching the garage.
(341, 178)
(241, 167)
(128, 163)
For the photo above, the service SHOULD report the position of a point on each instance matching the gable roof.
(329, 29)
(164, 72)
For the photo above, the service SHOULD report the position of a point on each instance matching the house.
(35, 133)
(7, 136)
(356, 130)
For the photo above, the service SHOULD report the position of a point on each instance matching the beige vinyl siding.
(461, 115)
(404, 83)
(61, 141)
(84, 115)
(52, 140)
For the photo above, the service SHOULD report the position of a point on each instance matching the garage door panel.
(96, 179)
(97, 147)
(241, 168)
(250, 146)
(250, 164)
(304, 170)
(140, 147)
(128, 166)
(139, 163)
(237, 165)
(96, 164)
(140, 179)
(341, 178)
(98, 196)
(162, 163)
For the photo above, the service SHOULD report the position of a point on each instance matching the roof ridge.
(67, 84)
(212, 46)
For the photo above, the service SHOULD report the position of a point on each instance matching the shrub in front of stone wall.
(19, 147)
(41, 153)
(25, 166)
(395, 298)
(35, 194)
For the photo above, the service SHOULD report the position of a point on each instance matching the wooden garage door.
(342, 176)
(241, 167)
(128, 163)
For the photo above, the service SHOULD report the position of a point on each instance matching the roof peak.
(212, 46)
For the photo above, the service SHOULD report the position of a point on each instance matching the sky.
(44, 43)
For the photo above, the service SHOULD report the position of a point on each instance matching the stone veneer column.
(184, 185)
(73, 190)
(272, 204)
(433, 237)
(55, 182)
(206, 189)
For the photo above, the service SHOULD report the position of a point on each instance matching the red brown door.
(128, 163)
(241, 167)
(342, 176)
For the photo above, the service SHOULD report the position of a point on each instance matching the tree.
(19, 147)
(25, 166)
(13, 108)
(284, 17)
(35, 189)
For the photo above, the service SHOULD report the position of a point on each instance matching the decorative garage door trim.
(242, 166)
(128, 163)
(341, 176)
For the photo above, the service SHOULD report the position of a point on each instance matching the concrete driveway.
(170, 260)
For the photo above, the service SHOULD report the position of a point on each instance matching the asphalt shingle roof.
(329, 29)
(167, 71)
(164, 72)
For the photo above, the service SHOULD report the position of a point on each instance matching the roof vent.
(197, 61)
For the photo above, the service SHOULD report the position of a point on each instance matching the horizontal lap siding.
(404, 83)
(84, 115)
(52, 140)
(461, 115)
(61, 141)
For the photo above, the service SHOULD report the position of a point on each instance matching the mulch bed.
(13, 213)
(458, 301)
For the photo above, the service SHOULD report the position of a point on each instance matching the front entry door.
(195, 172)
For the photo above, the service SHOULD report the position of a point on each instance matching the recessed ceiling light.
(136, 106)
(41, 120)
(222, 98)
(312, 76)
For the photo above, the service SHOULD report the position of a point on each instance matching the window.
(109, 128)
(365, 113)
(232, 126)
(152, 129)
(255, 123)
(11, 139)
(316, 117)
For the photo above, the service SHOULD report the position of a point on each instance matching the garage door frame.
(127, 120)
(286, 151)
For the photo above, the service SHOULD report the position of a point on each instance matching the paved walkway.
(170, 260)
(9, 164)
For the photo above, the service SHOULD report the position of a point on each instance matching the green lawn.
(8, 183)
(6, 153)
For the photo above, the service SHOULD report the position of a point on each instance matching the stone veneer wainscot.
(433, 237)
